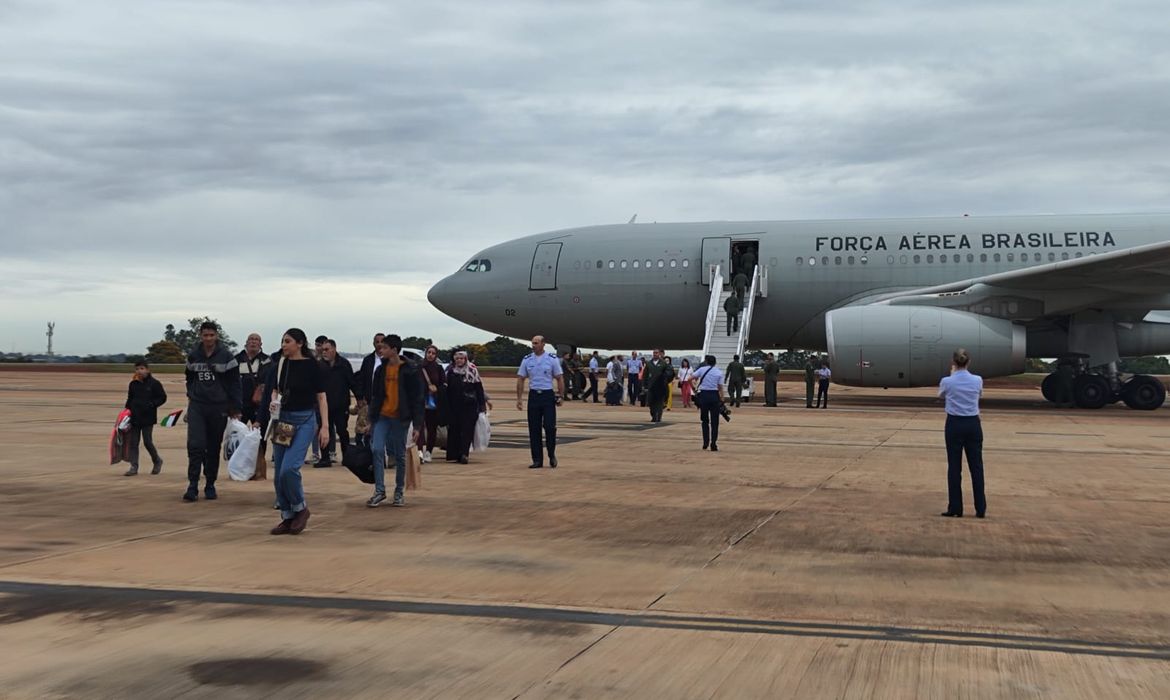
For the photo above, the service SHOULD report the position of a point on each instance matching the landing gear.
(1092, 390)
(1143, 393)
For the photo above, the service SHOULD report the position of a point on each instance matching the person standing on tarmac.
(143, 397)
(541, 370)
(396, 407)
(810, 381)
(339, 385)
(213, 394)
(633, 371)
(658, 374)
(824, 374)
(732, 308)
(964, 433)
(594, 368)
(295, 389)
(365, 379)
(736, 379)
(435, 406)
(254, 365)
(670, 382)
(684, 381)
(708, 381)
(771, 377)
(1067, 376)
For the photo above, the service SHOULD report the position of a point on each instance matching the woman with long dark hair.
(296, 394)
(684, 381)
(465, 401)
(436, 400)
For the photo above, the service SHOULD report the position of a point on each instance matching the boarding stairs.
(715, 339)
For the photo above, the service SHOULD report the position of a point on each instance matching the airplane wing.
(1135, 279)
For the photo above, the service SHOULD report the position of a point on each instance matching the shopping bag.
(231, 438)
(119, 442)
(242, 463)
(413, 469)
(359, 459)
(482, 435)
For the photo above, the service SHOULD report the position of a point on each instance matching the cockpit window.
(483, 265)
(472, 266)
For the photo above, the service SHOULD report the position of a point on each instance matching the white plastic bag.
(231, 437)
(242, 463)
(483, 434)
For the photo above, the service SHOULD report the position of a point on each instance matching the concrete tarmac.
(806, 559)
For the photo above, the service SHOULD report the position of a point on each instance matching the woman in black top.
(296, 392)
(436, 400)
(465, 401)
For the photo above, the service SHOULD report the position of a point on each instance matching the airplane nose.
(441, 295)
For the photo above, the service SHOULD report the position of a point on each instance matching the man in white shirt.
(594, 368)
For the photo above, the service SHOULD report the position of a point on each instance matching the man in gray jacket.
(213, 395)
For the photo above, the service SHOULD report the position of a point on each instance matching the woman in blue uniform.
(964, 433)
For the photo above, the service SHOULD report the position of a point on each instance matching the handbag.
(280, 432)
(359, 459)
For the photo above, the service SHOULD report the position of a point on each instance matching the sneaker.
(426, 457)
(398, 499)
(192, 494)
(157, 467)
(376, 500)
(209, 493)
(132, 471)
(322, 463)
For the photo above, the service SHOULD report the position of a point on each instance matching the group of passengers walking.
(398, 399)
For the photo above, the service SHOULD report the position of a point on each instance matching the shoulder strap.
(281, 377)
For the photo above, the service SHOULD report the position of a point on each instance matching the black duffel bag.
(359, 459)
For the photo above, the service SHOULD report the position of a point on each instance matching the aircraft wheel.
(1143, 393)
(1050, 387)
(1092, 391)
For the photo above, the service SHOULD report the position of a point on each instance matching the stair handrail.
(745, 322)
(712, 308)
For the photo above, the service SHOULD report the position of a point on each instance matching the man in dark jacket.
(392, 417)
(732, 308)
(771, 377)
(213, 395)
(143, 398)
(736, 379)
(658, 376)
(364, 380)
(339, 384)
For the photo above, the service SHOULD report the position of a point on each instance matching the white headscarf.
(468, 371)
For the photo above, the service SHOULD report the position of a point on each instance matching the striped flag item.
(171, 420)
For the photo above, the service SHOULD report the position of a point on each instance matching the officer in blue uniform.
(541, 370)
(964, 433)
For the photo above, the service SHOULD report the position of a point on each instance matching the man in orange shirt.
(396, 407)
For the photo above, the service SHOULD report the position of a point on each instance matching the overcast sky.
(321, 164)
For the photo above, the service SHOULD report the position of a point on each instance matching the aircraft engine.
(912, 345)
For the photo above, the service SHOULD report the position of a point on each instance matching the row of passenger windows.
(635, 264)
(942, 258)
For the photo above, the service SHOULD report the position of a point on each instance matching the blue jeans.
(290, 493)
(389, 433)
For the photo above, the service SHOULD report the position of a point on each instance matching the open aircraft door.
(716, 251)
(544, 266)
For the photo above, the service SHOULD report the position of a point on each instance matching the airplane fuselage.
(643, 285)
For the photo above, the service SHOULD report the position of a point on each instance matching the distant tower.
(49, 334)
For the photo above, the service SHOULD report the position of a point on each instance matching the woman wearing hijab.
(465, 401)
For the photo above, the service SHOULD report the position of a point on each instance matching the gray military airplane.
(889, 299)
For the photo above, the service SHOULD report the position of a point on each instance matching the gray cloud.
(261, 141)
